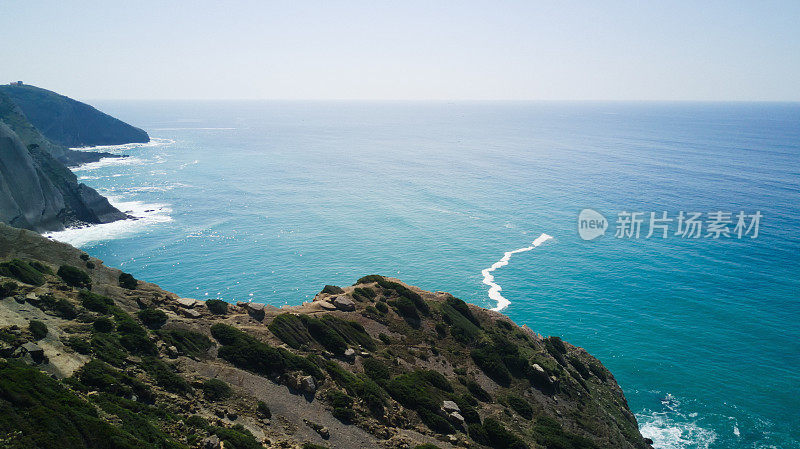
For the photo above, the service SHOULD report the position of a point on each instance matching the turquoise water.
(271, 201)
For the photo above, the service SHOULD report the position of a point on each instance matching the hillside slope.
(375, 365)
(69, 122)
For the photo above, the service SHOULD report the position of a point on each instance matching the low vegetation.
(75, 277)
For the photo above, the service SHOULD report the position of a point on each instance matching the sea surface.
(269, 201)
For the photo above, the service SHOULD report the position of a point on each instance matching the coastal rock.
(191, 313)
(344, 303)
(450, 406)
(308, 384)
(187, 303)
(212, 442)
(325, 305)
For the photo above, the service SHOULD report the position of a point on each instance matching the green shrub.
(152, 318)
(263, 410)
(598, 371)
(197, 422)
(405, 308)
(332, 290)
(339, 399)
(40, 267)
(132, 336)
(107, 348)
(492, 365)
(100, 376)
(216, 390)
(126, 280)
(187, 342)
(291, 330)
(90, 265)
(325, 335)
(84, 257)
(500, 438)
(75, 277)
(103, 324)
(579, 366)
(381, 307)
(462, 308)
(37, 329)
(361, 386)
(405, 292)
(364, 293)
(61, 307)
(236, 437)
(376, 370)
(478, 434)
(48, 416)
(549, 433)
(344, 414)
(435, 422)
(95, 302)
(462, 323)
(7, 289)
(467, 405)
(246, 352)
(79, 345)
(369, 279)
(385, 338)
(520, 405)
(21, 271)
(426, 446)
(478, 392)
(165, 376)
(217, 306)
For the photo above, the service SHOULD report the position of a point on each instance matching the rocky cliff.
(69, 122)
(39, 193)
(92, 357)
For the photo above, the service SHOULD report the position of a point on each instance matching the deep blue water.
(271, 201)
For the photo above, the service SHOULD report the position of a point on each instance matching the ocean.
(270, 201)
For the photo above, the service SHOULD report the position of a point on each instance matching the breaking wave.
(488, 278)
(143, 214)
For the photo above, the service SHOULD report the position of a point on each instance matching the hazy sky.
(570, 50)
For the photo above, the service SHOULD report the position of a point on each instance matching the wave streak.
(488, 278)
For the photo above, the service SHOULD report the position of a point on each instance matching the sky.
(405, 50)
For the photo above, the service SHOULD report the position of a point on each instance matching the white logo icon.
(591, 224)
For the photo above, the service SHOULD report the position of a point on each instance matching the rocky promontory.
(92, 357)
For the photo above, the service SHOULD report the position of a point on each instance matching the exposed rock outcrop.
(39, 193)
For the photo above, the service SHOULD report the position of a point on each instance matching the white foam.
(108, 162)
(154, 142)
(145, 215)
(488, 279)
(674, 431)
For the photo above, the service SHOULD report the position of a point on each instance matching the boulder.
(255, 310)
(350, 354)
(33, 350)
(326, 305)
(212, 442)
(308, 385)
(344, 303)
(191, 313)
(450, 407)
(187, 303)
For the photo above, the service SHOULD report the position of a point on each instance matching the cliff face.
(39, 193)
(69, 122)
(379, 364)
